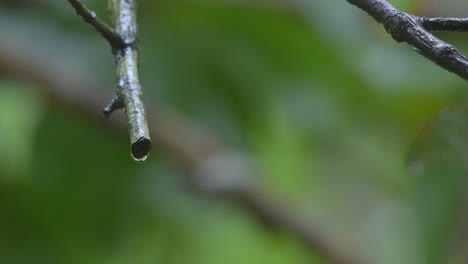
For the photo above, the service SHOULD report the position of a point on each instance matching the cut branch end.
(141, 148)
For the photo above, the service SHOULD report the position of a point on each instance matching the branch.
(444, 24)
(129, 93)
(90, 17)
(273, 215)
(407, 28)
(200, 151)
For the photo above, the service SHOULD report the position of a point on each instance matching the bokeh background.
(361, 138)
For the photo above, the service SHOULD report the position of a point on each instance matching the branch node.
(397, 25)
(115, 104)
(445, 49)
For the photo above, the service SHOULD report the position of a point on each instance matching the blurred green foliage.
(326, 103)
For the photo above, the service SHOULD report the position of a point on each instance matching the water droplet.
(139, 159)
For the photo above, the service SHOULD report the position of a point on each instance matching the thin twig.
(195, 148)
(129, 92)
(91, 18)
(444, 24)
(404, 27)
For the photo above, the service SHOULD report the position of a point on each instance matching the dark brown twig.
(444, 24)
(404, 27)
(91, 18)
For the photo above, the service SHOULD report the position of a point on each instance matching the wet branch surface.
(444, 24)
(413, 30)
(123, 40)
